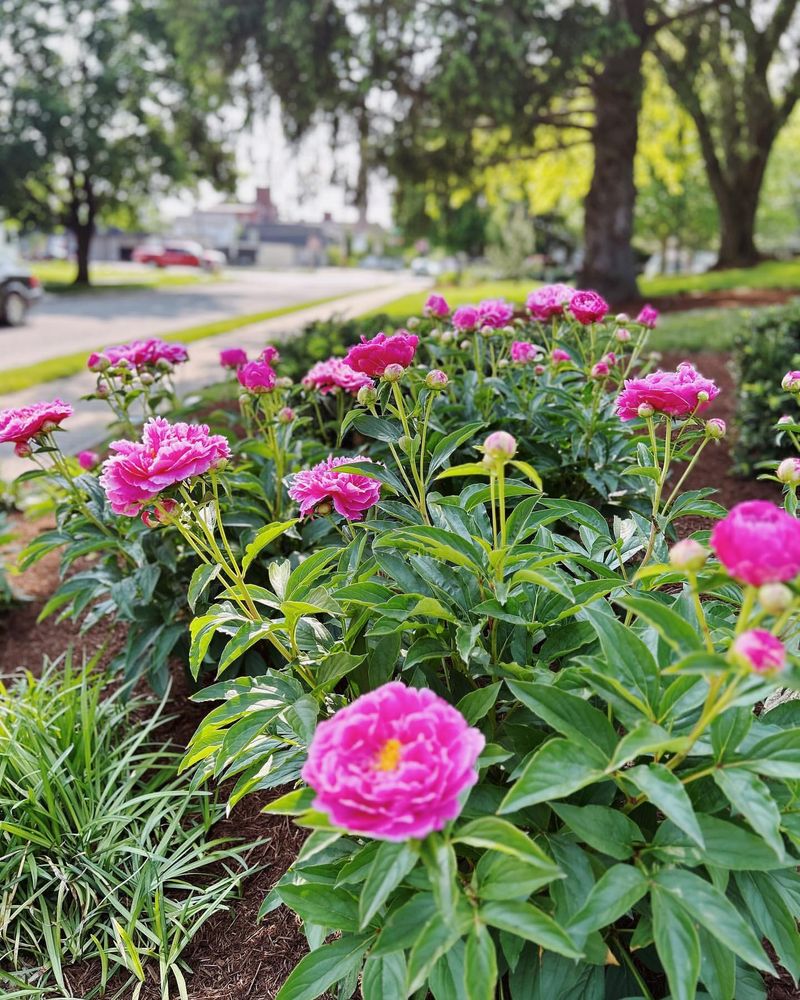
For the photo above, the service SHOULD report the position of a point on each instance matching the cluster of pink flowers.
(588, 307)
(758, 543)
(523, 352)
(326, 376)
(372, 357)
(394, 764)
(350, 493)
(494, 313)
(676, 394)
(166, 455)
(21, 424)
(257, 376)
(138, 354)
(549, 301)
(436, 306)
(233, 357)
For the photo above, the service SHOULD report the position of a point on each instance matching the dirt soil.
(234, 957)
(730, 298)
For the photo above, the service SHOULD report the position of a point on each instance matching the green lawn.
(26, 376)
(59, 275)
(769, 274)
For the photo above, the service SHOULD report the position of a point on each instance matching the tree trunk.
(738, 205)
(83, 236)
(609, 264)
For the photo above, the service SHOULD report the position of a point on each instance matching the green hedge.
(767, 346)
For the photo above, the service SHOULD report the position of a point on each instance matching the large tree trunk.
(83, 238)
(738, 206)
(609, 264)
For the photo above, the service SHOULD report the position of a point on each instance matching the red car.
(179, 253)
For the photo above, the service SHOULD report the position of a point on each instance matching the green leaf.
(292, 804)
(672, 628)
(477, 704)
(322, 904)
(714, 911)
(748, 794)
(629, 660)
(557, 769)
(384, 977)
(611, 897)
(499, 835)
(442, 866)
(480, 964)
(666, 793)
(776, 756)
(324, 967)
(677, 944)
(391, 865)
(201, 578)
(450, 443)
(645, 738)
(768, 910)
(402, 926)
(266, 535)
(569, 714)
(607, 830)
(525, 920)
(529, 472)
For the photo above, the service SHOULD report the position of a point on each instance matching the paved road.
(62, 324)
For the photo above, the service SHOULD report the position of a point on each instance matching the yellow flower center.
(389, 757)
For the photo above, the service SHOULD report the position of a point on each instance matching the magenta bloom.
(257, 376)
(233, 357)
(494, 313)
(139, 354)
(758, 543)
(523, 352)
(549, 301)
(436, 305)
(600, 370)
(559, 355)
(372, 356)
(326, 376)
(166, 455)
(677, 394)
(466, 318)
(588, 307)
(20, 424)
(88, 460)
(350, 493)
(394, 764)
(270, 354)
(761, 650)
(648, 317)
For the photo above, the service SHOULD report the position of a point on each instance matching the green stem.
(698, 608)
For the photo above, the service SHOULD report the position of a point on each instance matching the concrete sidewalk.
(87, 427)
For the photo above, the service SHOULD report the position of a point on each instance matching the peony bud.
(436, 379)
(367, 395)
(146, 378)
(600, 370)
(164, 366)
(503, 363)
(465, 345)
(102, 390)
(623, 335)
(716, 428)
(393, 373)
(622, 318)
(760, 651)
(645, 410)
(654, 356)
(285, 415)
(412, 322)
(48, 427)
(283, 382)
(500, 445)
(789, 471)
(539, 369)
(791, 382)
(323, 508)
(775, 598)
(22, 449)
(487, 331)
(785, 419)
(448, 337)
(509, 331)
(702, 396)
(688, 555)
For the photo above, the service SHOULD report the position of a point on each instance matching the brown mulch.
(729, 298)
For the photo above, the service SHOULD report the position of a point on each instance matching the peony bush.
(533, 736)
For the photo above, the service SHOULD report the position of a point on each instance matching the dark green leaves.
(559, 768)
(324, 967)
(667, 793)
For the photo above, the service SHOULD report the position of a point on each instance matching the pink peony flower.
(677, 394)
(588, 307)
(88, 460)
(760, 650)
(394, 764)
(20, 424)
(139, 354)
(436, 305)
(648, 317)
(523, 352)
(758, 543)
(494, 313)
(257, 376)
(351, 494)
(326, 376)
(233, 357)
(372, 356)
(466, 318)
(559, 355)
(270, 354)
(549, 301)
(166, 455)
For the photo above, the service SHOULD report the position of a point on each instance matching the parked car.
(19, 289)
(183, 253)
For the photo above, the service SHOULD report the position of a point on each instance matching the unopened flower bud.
(791, 382)
(500, 445)
(622, 318)
(219, 465)
(600, 370)
(283, 382)
(102, 390)
(448, 337)
(22, 449)
(393, 373)
(436, 379)
(487, 331)
(539, 369)
(775, 598)
(688, 555)
(509, 331)
(645, 410)
(48, 427)
(99, 363)
(655, 356)
(412, 322)
(465, 345)
(789, 471)
(623, 335)
(367, 395)
(146, 378)
(435, 333)
(323, 508)
(702, 396)
(285, 415)
(716, 428)
(163, 513)
(503, 363)
(785, 419)
(164, 366)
